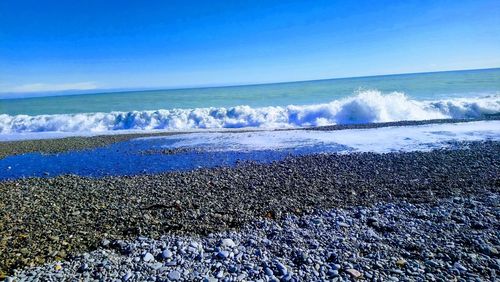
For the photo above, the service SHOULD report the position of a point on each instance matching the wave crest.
(365, 107)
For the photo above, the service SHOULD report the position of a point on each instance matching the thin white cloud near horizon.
(49, 87)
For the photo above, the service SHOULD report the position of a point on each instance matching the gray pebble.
(148, 257)
(174, 275)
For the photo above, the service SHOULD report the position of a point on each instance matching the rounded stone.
(148, 257)
(174, 275)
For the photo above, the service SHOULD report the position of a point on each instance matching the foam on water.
(365, 107)
(379, 140)
(146, 155)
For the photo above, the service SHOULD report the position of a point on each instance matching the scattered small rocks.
(82, 211)
(425, 244)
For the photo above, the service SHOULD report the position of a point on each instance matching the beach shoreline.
(241, 141)
(64, 144)
(49, 219)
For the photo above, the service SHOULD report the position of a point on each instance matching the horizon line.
(147, 89)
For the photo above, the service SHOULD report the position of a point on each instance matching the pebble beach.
(249, 141)
(453, 239)
(323, 217)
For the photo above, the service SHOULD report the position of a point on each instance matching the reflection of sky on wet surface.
(128, 158)
(153, 154)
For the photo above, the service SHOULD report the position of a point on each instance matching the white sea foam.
(365, 107)
(380, 140)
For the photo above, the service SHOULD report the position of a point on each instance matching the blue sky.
(64, 45)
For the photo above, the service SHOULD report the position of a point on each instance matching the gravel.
(50, 146)
(53, 219)
(409, 242)
(59, 145)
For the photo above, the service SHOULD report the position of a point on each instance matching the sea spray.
(367, 106)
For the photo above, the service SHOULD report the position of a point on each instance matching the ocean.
(454, 94)
(443, 95)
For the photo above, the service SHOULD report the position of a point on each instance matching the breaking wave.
(365, 107)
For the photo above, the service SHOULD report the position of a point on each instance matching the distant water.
(457, 94)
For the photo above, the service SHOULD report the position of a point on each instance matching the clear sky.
(59, 45)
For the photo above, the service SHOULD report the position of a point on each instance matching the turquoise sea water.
(456, 94)
(425, 86)
(462, 94)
